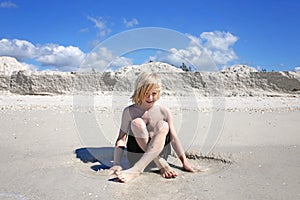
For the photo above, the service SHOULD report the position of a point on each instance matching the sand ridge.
(237, 80)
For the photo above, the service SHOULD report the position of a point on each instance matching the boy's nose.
(150, 97)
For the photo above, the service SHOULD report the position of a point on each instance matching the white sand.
(44, 149)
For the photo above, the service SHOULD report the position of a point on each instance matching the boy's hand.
(191, 168)
(114, 169)
(188, 167)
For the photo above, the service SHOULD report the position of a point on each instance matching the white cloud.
(101, 25)
(29, 66)
(297, 69)
(119, 62)
(20, 49)
(218, 40)
(97, 60)
(205, 52)
(218, 45)
(130, 23)
(7, 4)
(60, 57)
(101, 60)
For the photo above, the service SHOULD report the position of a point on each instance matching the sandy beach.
(80, 82)
(45, 154)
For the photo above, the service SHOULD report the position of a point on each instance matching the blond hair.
(144, 84)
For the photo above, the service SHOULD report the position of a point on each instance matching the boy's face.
(150, 98)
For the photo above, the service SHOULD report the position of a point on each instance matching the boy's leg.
(137, 145)
(140, 133)
(153, 149)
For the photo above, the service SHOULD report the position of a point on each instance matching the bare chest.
(151, 118)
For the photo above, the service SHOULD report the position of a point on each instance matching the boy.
(148, 129)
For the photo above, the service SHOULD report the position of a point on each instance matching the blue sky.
(61, 34)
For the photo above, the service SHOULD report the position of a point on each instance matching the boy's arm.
(176, 144)
(119, 148)
(118, 153)
(121, 141)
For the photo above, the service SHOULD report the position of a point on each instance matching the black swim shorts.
(134, 151)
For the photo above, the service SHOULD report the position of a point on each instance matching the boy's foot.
(168, 172)
(165, 170)
(127, 175)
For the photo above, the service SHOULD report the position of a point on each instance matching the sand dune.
(238, 80)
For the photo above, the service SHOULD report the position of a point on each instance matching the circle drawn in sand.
(95, 128)
(207, 165)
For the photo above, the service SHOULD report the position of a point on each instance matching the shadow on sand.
(102, 159)
(103, 156)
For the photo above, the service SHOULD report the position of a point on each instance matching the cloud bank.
(60, 57)
(208, 50)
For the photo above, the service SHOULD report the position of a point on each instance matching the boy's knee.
(162, 127)
(138, 123)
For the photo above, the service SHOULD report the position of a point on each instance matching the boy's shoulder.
(164, 108)
(131, 107)
(127, 109)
